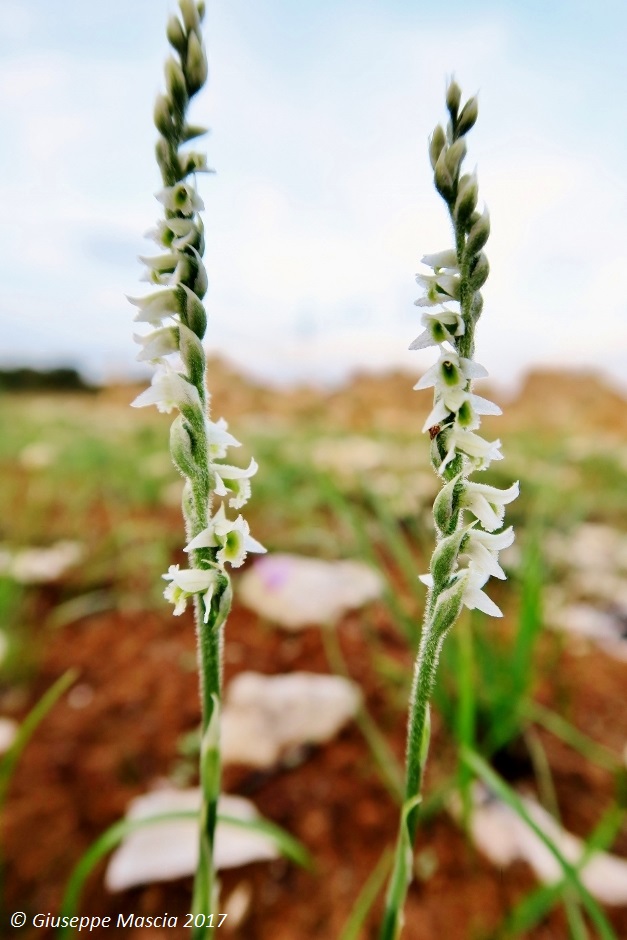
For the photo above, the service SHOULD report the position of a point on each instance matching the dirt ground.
(100, 746)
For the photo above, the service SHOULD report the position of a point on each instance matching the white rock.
(265, 716)
(169, 850)
(8, 731)
(38, 455)
(41, 565)
(503, 837)
(294, 591)
(601, 627)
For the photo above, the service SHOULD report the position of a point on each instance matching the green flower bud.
(200, 282)
(163, 116)
(189, 12)
(201, 9)
(448, 606)
(454, 156)
(479, 271)
(466, 199)
(445, 556)
(453, 98)
(442, 177)
(193, 312)
(193, 354)
(181, 447)
(468, 117)
(445, 507)
(175, 34)
(195, 64)
(436, 144)
(479, 233)
(175, 83)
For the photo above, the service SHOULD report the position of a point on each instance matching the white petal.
(479, 600)
(423, 341)
(483, 406)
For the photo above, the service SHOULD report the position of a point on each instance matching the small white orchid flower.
(232, 536)
(464, 405)
(441, 326)
(476, 599)
(219, 439)
(442, 261)
(186, 582)
(482, 549)
(488, 503)
(439, 288)
(154, 307)
(155, 345)
(168, 390)
(451, 371)
(480, 451)
(234, 480)
(181, 198)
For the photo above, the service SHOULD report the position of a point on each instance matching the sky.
(322, 203)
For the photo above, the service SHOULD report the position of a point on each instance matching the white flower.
(162, 342)
(187, 582)
(482, 549)
(443, 261)
(232, 536)
(440, 288)
(168, 390)
(488, 503)
(441, 327)
(218, 439)
(159, 265)
(235, 480)
(476, 599)
(464, 405)
(154, 307)
(480, 451)
(180, 198)
(451, 371)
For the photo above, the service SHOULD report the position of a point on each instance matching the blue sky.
(322, 204)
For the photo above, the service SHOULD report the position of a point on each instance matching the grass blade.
(367, 897)
(571, 875)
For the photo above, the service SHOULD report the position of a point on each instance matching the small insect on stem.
(434, 431)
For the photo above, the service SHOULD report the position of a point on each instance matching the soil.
(117, 732)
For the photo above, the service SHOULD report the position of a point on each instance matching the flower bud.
(479, 271)
(201, 10)
(453, 98)
(466, 198)
(444, 559)
(454, 156)
(193, 312)
(448, 606)
(436, 144)
(195, 64)
(175, 83)
(175, 34)
(189, 12)
(193, 354)
(181, 447)
(445, 507)
(162, 115)
(479, 234)
(200, 281)
(468, 117)
(442, 177)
